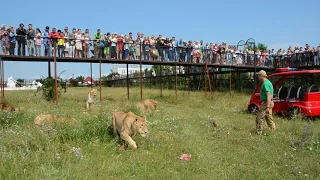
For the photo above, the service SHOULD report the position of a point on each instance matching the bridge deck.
(120, 61)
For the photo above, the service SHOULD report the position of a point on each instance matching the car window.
(305, 80)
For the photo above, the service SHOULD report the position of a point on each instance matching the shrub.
(48, 87)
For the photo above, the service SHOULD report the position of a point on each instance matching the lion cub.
(91, 98)
(127, 125)
(49, 120)
(7, 107)
(147, 104)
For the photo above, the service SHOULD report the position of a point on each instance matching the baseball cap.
(262, 73)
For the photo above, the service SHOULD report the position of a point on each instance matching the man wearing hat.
(265, 111)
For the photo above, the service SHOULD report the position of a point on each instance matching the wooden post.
(176, 82)
(91, 74)
(208, 77)
(188, 81)
(128, 81)
(55, 70)
(240, 82)
(141, 71)
(160, 81)
(230, 78)
(205, 81)
(49, 69)
(1, 80)
(100, 82)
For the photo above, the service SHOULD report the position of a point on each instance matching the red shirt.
(54, 35)
(120, 44)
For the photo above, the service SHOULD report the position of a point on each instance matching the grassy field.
(88, 150)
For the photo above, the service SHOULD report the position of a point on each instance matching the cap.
(262, 73)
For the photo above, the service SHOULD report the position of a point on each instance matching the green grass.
(185, 125)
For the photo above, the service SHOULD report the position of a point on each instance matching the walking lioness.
(91, 98)
(127, 125)
(147, 104)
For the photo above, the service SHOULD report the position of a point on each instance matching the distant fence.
(240, 81)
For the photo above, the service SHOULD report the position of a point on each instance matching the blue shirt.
(45, 38)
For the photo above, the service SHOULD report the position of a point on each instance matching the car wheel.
(293, 112)
(253, 109)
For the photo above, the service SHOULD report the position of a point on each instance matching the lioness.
(127, 125)
(7, 107)
(147, 104)
(91, 98)
(49, 120)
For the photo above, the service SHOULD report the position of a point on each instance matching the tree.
(104, 78)
(110, 75)
(48, 87)
(262, 47)
(19, 82)
(147, 72)
(156, 68)
(80, 78)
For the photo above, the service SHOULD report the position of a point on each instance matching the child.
(107, 39)
(72, 44)
(147, 48)
(126, 47)
(61, 45)
(120, 46)
(38, 41)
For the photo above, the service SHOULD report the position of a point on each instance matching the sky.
(276, 23)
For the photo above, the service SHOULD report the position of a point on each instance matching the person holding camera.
(21, 38)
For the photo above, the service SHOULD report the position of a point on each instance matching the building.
(122, 69)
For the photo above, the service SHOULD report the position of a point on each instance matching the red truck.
(295, 91)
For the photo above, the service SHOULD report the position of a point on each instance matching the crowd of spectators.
(79, 44)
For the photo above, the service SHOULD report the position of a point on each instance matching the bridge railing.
(147, 51)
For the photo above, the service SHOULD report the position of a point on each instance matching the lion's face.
(141, 125)
(93, 92)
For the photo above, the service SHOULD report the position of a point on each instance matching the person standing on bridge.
(265, 111)
(21, 38)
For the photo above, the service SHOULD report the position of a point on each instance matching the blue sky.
(277, 23)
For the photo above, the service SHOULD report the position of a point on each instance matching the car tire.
(293, 112)
(253, 109)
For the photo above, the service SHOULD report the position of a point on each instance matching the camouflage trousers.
(265, 113)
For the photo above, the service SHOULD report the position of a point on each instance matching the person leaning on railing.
(12, 39)
(21, 38)
(61, 44)
(38, 41)
(30, 40)
(4, 40)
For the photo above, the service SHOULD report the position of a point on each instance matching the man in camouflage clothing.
(265, 111)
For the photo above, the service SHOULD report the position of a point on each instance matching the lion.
(127, 125)
(147, 104)
(91, 98)
(9, 108)
(49, 120)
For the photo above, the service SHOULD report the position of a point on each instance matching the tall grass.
(89, 150)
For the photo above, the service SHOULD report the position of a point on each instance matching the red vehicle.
(294, 91)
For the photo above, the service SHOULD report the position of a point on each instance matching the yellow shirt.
(61, 41)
